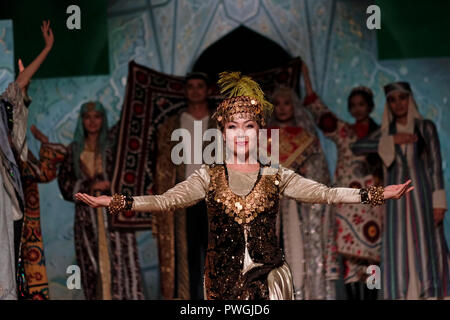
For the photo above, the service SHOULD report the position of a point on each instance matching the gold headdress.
(244, 97)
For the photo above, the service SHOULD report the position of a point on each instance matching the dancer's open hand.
(396, 191)
(94, 202)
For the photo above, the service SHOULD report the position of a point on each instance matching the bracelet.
(120, 203)
(117, 204)
(364, 196)
(376, 196)
(128, 202)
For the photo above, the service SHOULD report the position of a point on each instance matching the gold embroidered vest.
(228, 215)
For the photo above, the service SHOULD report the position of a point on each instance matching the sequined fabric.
(224, 278)
(232, 107)
(228, 215)
(292, 185)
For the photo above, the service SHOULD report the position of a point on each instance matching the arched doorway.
(241, 50)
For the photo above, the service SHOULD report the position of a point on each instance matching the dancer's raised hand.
(26, 73)
(47, 33)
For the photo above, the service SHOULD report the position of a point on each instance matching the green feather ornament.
(233, 84)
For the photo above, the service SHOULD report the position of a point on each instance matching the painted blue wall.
(169, 35)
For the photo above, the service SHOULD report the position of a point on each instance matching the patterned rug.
(150, 97)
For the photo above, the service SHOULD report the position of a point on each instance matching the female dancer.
(107, 258)
(244, 260)
(358, 235)
(307, 231)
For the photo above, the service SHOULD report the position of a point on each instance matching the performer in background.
(358, 227)
(13, 149)
(415, 257)
(307, 231)
(107, 258)
(182, 234)
(244, 259)
(32, 273)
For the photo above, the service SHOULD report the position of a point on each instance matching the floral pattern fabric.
(359, 227)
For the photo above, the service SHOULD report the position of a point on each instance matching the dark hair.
(366, 96)
(197, 75)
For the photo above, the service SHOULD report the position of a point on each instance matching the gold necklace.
(243, 209)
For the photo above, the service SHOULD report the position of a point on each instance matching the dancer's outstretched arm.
(182, 195)
(192, 190)
(306, 190)
(25, 76)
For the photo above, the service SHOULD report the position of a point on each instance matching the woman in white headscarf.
(415, 259)
(307, 232)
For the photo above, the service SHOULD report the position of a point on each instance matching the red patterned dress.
(36, 171)
(358, 227)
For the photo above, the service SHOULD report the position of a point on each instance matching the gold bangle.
(117, 204)
(376, 196)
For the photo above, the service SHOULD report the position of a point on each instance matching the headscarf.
(386, 150)
(388, 117)
(79, 137)
(302, 117)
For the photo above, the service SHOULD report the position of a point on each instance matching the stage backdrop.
(170, 35)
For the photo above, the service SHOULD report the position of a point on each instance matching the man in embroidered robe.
(182, 235)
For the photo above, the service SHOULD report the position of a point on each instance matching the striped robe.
(430, 252)
(125, 281)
